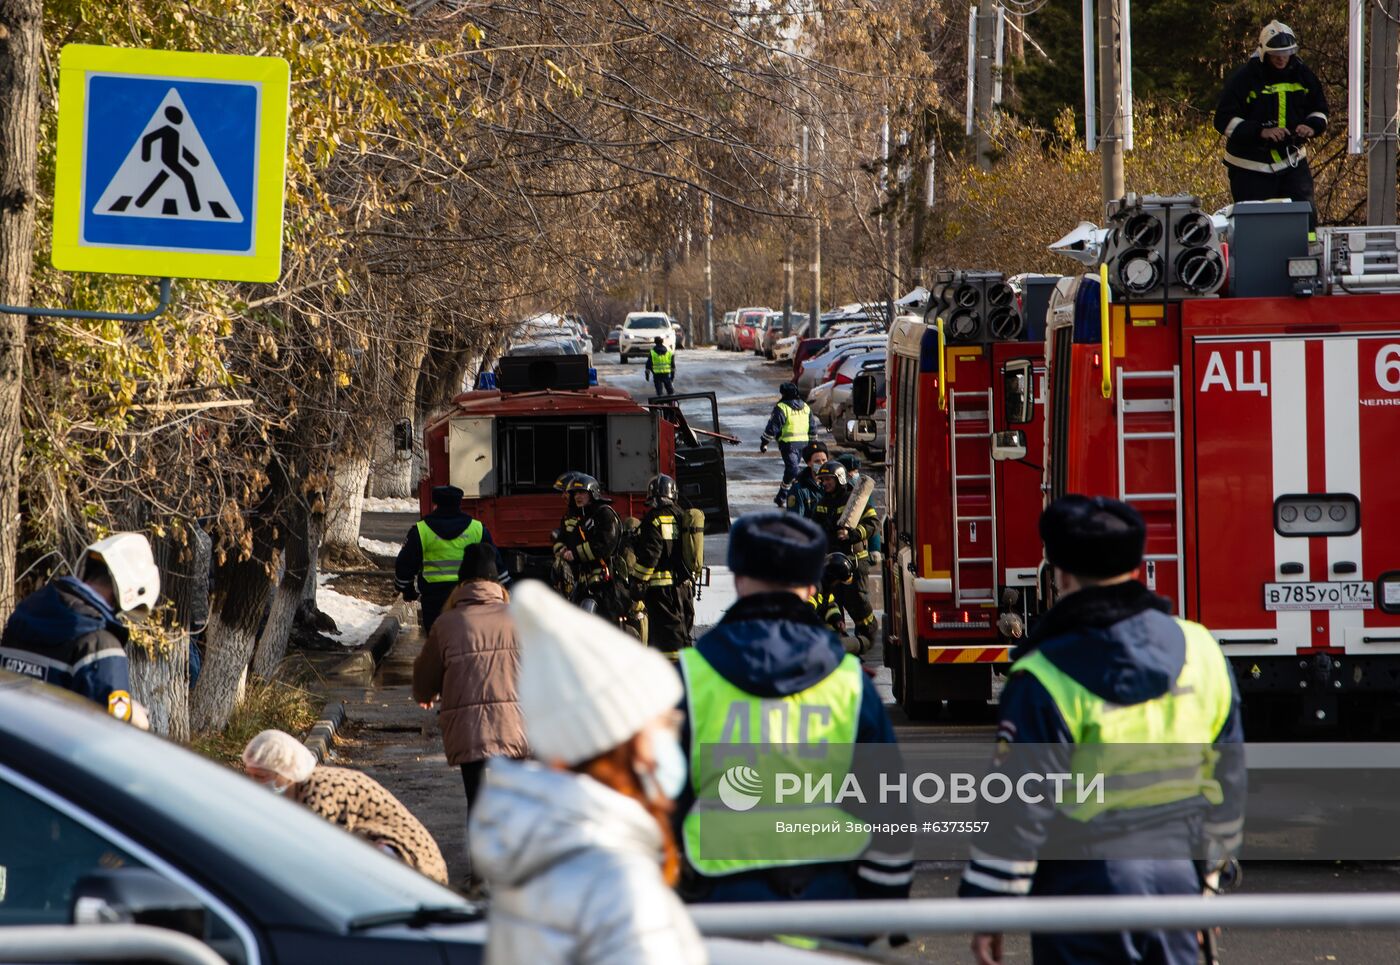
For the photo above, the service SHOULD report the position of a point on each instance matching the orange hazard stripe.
(969, 654)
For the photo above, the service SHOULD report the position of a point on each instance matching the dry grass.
(267, 705)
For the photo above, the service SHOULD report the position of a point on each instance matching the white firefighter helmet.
(135, 578)
(1277, 38)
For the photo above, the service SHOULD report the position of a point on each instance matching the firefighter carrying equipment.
(662, 490)
(658, 549)
(662, 361)
(442, 558)
(1176, 730)
(828, 607)
(720, 713)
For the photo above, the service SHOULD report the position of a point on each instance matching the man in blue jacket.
(70, 633)
(772, 657)
(1108, 667)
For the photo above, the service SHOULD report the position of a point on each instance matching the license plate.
(1349, 595)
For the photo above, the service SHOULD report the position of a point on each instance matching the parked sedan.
(819, 368)
(746, 327)
(610, 344)
(724, 333)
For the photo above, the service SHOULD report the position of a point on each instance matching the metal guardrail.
(1096, 914)
(102, 943)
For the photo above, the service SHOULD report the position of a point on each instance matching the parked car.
(808, 347)
(680, 335)
(610, 343)
(773, 330)
(838, 411)
(639, 330)
(819, 368)
(98, 812)
(746, 327)
(724, 332)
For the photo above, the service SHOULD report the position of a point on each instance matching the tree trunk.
(21, 43)
(161, 681)
(347, 501)
(392, 474)
(291, 603)
(232, 635)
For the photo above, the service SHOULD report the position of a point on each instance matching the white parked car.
(639, 332)
(838, 399)
(819, 368)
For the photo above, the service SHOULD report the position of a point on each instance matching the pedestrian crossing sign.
(170, 164)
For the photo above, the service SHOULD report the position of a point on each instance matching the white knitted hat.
(585, 686)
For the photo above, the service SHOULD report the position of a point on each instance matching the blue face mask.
(671, 769)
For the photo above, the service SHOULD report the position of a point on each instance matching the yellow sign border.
(76, 61)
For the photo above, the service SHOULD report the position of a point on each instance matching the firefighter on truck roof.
(793, 424)
(659, 569)
(1270, 108)
(1106, 667)
(854, 541)
(432, 551)
(587, 541)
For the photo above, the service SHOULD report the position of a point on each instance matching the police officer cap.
(448, 497)
(788, 390)
(850, 460)
(1093, 537)
(811, 449)
(776, 547)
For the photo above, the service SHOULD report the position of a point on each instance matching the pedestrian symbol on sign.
(169, 173)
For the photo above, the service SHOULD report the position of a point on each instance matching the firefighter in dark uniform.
(772, 663)
(1270, 108)
(658, 572)
(805, 491)
(840, 570)
(854, 542)
(793, 424)
(661, 365)
(587, 541)
(1110, 666)
(426, 567)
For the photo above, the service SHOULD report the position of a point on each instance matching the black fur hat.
(1094, 537)
(781, 548)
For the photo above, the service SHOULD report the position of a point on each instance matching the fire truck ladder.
(1148, 405)
(958, 424)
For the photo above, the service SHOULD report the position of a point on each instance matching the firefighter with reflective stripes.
(432, 551)
(840, 571)
(793, 424)
(1110, 683)
(661, 366)
(72, 633)
(853, 542)
(658, 572)
(772, 662)
(1270, 108)
(586, 542)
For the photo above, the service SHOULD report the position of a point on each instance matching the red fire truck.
(505, 446)
(1260, 439)
(963, 478)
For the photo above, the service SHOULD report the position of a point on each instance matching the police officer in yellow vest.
(432, 553)
(793, 424)
(1110, 683)
(772, 658)
(661, 364)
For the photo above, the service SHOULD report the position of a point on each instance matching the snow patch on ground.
(355, 618)
(379, 547)
(382, 504)
(715, 598)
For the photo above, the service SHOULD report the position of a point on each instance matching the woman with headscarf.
(354, 801)
(577, 847)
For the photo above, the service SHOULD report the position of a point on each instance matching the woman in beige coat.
(468, 668)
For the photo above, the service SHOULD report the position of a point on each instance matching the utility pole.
(986, 53)
(709, 271)
(1381, 116)
(1110, 105)
(809, 191)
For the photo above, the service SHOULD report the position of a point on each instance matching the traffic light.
(977, 307)
(1162, 248)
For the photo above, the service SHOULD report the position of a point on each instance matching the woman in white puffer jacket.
(577, 848)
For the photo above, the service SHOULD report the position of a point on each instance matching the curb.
(321, 738)
(378, 645)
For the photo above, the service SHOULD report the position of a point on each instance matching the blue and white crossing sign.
(170, 163)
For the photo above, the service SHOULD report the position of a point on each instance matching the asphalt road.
(746, 389)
